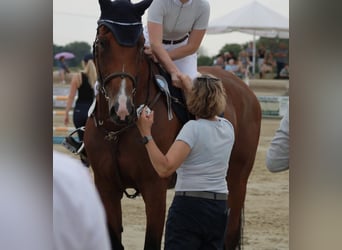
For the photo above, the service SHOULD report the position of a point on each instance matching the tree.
(271, 44)
(204, 61)
(79, 49)
(234, 47)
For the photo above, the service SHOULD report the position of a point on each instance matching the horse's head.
(118, 50)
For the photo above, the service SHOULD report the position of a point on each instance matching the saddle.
(174, 96)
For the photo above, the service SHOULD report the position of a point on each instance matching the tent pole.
(254, 53)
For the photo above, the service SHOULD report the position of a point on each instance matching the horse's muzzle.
(123, 118)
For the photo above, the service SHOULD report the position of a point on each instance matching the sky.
(76, 20)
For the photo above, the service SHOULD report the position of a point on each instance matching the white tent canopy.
(253, 18)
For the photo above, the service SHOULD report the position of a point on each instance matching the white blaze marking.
(122, 100)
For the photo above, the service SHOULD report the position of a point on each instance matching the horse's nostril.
(112, 112)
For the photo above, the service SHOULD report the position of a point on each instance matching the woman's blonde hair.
(90, 71)
(207, 97)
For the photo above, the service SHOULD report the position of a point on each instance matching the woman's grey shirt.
(205, 168)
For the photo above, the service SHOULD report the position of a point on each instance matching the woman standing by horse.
(200, 155)
(175, 31)
(82, 83)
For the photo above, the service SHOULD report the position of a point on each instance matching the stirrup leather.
(162, 84)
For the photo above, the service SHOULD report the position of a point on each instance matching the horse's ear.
(142, 6)
(104, 4)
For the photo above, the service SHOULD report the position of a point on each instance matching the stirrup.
(71, 144)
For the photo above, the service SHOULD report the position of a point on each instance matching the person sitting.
(219, 61)
(267, 66)
(244, 64)
(232, 67)
(284, 72)
(175, 30)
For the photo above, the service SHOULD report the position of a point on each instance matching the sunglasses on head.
(207, 78)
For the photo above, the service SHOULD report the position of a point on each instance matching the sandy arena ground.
(266, 207)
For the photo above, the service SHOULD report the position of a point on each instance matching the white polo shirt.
(79, 221)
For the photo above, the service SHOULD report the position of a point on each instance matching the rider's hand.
(185, 82)
(148, 52)
(175, 80)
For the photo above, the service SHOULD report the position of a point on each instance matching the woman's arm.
(186, 83)
(156, 37)
(75, 83)
(277, 156)
(167, 164)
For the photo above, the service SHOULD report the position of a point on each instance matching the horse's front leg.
(110, 193)
(155, 207)
(111, 199)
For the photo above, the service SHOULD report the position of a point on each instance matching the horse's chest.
(132, 159)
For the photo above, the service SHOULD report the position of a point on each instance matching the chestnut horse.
(113, 143)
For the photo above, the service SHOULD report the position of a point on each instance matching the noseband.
(122, 75)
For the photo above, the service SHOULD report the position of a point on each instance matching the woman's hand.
(145, 121)
(149, 53)
(175, 80)
(66, 118)
(185, 82)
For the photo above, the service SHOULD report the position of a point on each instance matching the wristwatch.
(146, 139)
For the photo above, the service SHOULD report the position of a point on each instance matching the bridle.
(104, 80)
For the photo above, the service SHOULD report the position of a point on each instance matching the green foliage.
(204, 61)
(271, 44)
(234, 47)
(79, 49)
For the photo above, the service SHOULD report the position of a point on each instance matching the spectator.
(281, 55)
(62, 68)
(219, 61)
(261, 56)
(267, 66)
(249, 51)
(285, 73)
(200, 154)
(277, 157)
(82, 83)
(229, 55)
(232, 66)
(244, 64)
(79, 221)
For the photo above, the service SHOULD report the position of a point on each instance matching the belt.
(203, 194)
(175, 41)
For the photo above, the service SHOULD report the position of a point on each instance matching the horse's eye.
(102, 43)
